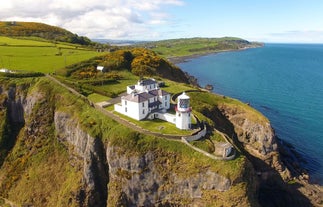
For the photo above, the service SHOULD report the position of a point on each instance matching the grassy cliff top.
(40, 55)
(197, 46)
(34, 29)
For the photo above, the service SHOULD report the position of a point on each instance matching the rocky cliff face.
(133, 179)
(257, 137)
(91, 151)
(109, 175)
(144, 181)
(273, 162)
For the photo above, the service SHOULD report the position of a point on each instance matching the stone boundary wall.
(197, 136)
(208, 154)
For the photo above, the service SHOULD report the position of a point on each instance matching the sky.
(289, 21)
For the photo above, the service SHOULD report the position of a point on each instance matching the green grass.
(196, 46)
(40, 56)
(94, 97)
(120, 86)
(157, 125)
(202, 100)
(169, 156)
(174, 87)
(207, 144)
(7, 41)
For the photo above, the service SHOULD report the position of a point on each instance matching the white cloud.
(116, 19)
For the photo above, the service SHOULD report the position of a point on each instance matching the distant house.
(4, 70)
(100, 68)
(147, 100)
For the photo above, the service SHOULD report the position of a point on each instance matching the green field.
(40, 56)
(197, 46)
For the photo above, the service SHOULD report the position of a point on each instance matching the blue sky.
(270, 21)
(255, 20)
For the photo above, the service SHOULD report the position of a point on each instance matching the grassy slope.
(22, 167)
(45, 31)
(197, 46)
(40, 56)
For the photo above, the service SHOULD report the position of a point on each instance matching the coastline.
(292, 159)
(186, 58)
(301, 181)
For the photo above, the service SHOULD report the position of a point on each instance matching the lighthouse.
(183, 112)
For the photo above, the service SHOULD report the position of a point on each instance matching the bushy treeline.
(22, 74)
(52, 33)
(139, 61)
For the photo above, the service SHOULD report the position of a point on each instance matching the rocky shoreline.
(298, 181)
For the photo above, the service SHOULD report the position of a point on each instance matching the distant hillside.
(138, 61)
(33, 29)
(197, 46)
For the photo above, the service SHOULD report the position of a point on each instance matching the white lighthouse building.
(183, 112)
(146, 100)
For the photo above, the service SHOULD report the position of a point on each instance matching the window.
(143, 104)
(165, 104)
(125, 103)
(125, 109)
(165, 97)
(143, 111)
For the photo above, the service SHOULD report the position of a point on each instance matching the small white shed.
(100, 68)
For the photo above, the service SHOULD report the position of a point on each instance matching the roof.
(138, 98)
(183, 96)
(158, 92)
(146, 82)
(100, 67)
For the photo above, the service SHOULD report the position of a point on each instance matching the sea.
(284, 82)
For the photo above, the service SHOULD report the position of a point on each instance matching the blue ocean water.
(284, 82)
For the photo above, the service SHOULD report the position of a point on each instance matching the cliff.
(66, 153)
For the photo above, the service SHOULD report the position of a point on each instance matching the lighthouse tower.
(183, 112)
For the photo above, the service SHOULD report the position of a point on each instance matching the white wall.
(167, 117)
(183, 120)
(164, 100)
(129, 90)
(132, 109)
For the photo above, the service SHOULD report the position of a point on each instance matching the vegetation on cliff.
(121, 68)
(57, 149)
(48, 32)
(38, 145)
(197, 46)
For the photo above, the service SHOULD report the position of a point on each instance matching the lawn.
(175, 87)
(156, 125)
(95, 97)
(119, 86)
(39, 56)
(128, 78)
(196, 46)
